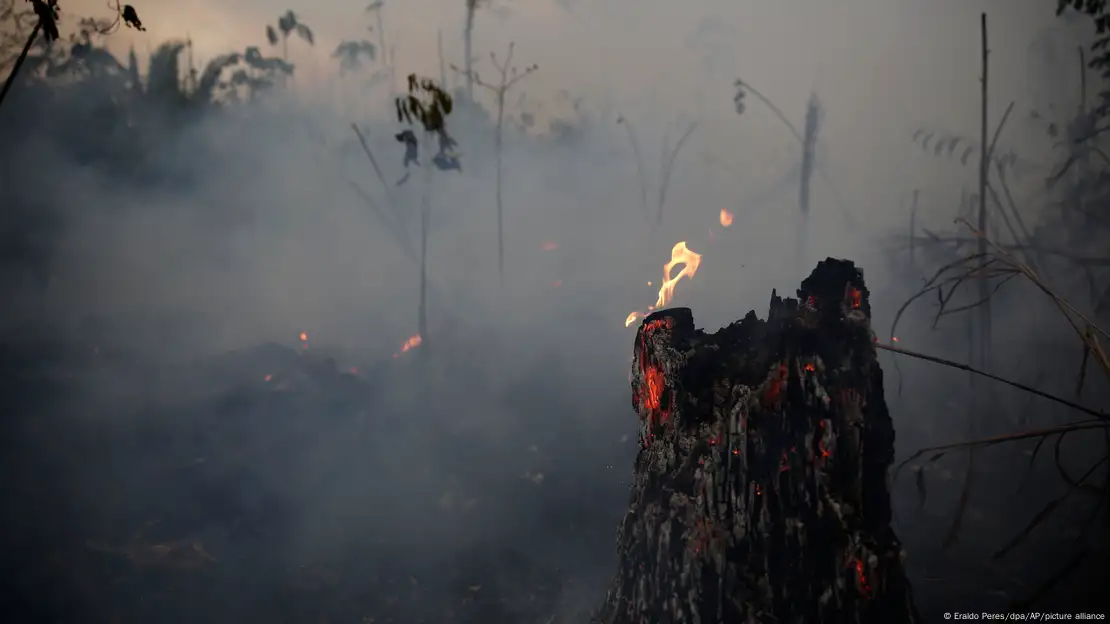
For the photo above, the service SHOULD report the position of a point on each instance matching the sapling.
(425, 108)
(508, 77)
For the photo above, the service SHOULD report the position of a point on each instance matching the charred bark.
(760, 493)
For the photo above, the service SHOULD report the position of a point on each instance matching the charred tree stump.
(760, 493)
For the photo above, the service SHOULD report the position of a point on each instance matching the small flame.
(549, 246)
(268, 377)
(410, 344)
(556, 283)
(680, 254)
(726, 218)
(304, 339)
(894, 338)
(354, 370)
(690, 261)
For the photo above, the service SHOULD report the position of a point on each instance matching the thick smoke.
(162, 264)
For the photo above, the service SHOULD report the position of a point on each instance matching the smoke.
(175, 246)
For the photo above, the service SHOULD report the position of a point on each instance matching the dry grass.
(998, 266)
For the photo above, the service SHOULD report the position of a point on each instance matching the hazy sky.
(880, 66)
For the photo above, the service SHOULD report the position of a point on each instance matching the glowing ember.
(268, 377)
(549, 246)
(690, 261)
(410, 344)
(726, 218)
(556, 283)
(304, 339)
(854, 297)
(894, 338)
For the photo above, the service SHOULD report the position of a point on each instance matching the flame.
(680, 254)
(304, 339)
(556, 283)
(410, 344)
(549, 246)
(726, 218)
(268, 377)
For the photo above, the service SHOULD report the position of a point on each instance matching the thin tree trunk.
(19, 61)
(500, 206)
(984, 161)
(442, 65)
(982, 338)
(425, 224)
(913, 227)
(809, 146)
(468, 33)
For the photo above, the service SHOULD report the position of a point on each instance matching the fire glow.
(726, 218)
(690, 261)
(410, 344)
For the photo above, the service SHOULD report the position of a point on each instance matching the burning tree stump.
(760, 493)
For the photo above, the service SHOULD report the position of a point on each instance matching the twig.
(975, 371)
(639, 164)
(19, 61)
(941, 449)
(669, 158)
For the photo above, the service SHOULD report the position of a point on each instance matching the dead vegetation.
(975, 267)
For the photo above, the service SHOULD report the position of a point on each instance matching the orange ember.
(855, 296)
(410, 344)
(861, 579)
(726, 218)
(653, 382)
(549, 246)
(304, 337)
(774, 389)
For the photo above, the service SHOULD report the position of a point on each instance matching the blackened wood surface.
(761, 490)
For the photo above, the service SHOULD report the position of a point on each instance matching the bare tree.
(508, 77)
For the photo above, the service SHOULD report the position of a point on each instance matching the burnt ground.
(200, 491)
(204, 492)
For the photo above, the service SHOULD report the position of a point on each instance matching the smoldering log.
(760, 493)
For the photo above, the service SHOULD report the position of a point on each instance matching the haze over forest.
(211, 302)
